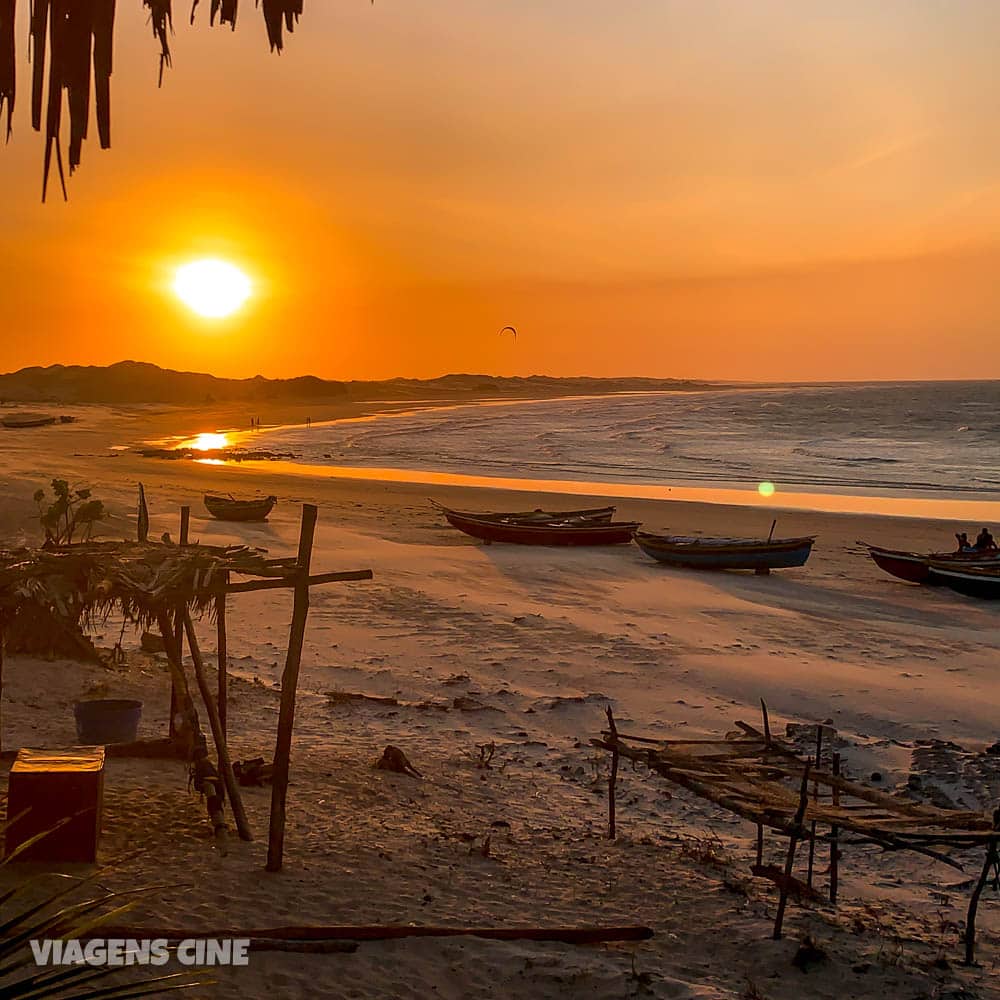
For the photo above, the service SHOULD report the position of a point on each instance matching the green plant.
(24, 917)
(70, 513)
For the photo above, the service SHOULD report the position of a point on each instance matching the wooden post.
(289, 685)
(1, 685)
(970, 920)
(222, 650)
(613, 777)
(835, 835)
(767, 723)
(179, 626)
(793, 840)
(760, 844)
(812, 825)
(225, 764)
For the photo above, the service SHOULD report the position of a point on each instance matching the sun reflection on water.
(208, 442)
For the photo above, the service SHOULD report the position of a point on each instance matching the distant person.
(964, 545)
(985, 541)
(309, 421)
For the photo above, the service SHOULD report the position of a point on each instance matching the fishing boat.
(915, 567)
(969, 578)
(759, 554)
(228, 508)
(574, 530)
(537, 516)
(910, 566)
(20, 421)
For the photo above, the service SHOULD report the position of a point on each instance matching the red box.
(59, 793)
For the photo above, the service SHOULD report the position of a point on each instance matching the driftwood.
(393, 759)
(391, 932)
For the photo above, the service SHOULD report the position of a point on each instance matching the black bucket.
(108, 720)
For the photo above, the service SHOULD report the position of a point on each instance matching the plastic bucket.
(109, 720)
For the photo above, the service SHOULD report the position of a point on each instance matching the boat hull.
(983, 584)
(24, 423)
(590, 515)
(909, 566)
(726, 554)
(916, 568)
(225, 509)
(553, 533)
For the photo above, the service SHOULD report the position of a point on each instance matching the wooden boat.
(230, 509)
(969, 578)
(538, 516)
(910, 566)
(23, 420)
(915, 567)
(759, 554)
(567, 531)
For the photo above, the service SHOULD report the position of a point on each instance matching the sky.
(775, 190)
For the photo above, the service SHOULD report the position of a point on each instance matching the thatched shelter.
(70, 46)
(61, 591)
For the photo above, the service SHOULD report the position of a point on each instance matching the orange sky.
(767, 190)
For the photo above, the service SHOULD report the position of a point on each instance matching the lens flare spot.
(766, 489)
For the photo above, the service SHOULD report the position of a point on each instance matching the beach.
(520, 650)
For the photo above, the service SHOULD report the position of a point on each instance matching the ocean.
(920, 440)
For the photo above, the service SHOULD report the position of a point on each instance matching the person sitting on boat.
(985, 541)
(964, 545)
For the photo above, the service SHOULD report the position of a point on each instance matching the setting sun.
(212, 288)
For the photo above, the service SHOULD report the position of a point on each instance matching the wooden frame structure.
(762, 779)
(165, 586)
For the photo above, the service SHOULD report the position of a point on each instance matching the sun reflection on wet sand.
(837, 503)
(207, 442)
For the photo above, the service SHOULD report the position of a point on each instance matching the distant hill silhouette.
(139, 382)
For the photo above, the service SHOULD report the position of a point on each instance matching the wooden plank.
(289, 686)
(294, 581)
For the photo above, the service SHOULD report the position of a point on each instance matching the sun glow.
(209, 442)
(212, 288)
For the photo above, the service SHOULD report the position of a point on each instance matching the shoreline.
(916, 503)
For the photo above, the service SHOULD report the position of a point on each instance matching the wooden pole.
(812, 825)
(222, 656)
(770, 534)
(767, 723)
(289, 685)
(288, 583)
(388, 932)
(835, 835)
(613, 777)
(970, 920)
(1, 686)
(793, 840)
(760, 844)
(178, 627)
(225, 764)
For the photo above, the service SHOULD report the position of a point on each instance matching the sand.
(522, 649)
